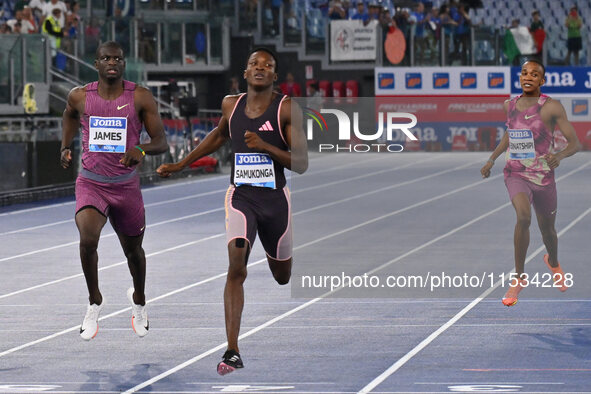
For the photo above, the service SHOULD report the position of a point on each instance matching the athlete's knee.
(523, 219)
(88, 245)
(237, 272)
(134, 254)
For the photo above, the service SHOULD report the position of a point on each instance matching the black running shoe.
(230, 361)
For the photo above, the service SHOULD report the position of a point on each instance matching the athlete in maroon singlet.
(266, 134)
(529, 169)
(111, 112)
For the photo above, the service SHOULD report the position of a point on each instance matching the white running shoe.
(89, 327)
(139, 316)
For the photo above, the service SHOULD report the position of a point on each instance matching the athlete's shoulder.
(554, 107)
(229, 102)
(77, 94)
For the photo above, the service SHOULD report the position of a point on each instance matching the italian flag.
(518, 41)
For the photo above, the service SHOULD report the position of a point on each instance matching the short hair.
(263, 49)
(109, 44)
(538, 62)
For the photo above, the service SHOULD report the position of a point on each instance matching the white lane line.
(12, 350)
(221, 234)
(403, 360)
(223, 190)
(311, 302)
(152, 188)
(221, 208)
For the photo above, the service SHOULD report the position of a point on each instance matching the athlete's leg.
(546, 224)
(281, 269)
(522, 207)
(90, 223)
(238, 251)
(136, 261)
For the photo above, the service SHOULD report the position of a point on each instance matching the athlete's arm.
(559, 115)
(147, 111)
(214, 140)
(71, 123)
(296, 159)
(502, 147)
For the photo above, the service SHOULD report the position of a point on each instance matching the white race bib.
(254, 169)
(107, 134)
(521, 144)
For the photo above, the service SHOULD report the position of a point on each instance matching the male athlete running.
(529, 170)
(266, 136)
(111, 112)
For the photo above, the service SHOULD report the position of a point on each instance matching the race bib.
(521, 144)
(254, 169)
(107, 134)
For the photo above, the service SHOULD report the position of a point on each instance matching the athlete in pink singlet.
(529, 169)
(111, 112)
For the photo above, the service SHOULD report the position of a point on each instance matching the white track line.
(403, 360)
(313, 301)
(12, 350)
(147, 189)
(221, 234)
(26, 345)
(223, 190)
(221, 208)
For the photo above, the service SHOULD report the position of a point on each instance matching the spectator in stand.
(6, 10)
(51, 27)
(447, 27)
(574, 41)
(25, 26)
(374, 12)
(462, 33)
(360, 12)
(433, 31)
(402, 21)
(417, 18)
(53, 4)
(537, 30)
(29, 23)
(290, 87)
(4, 29)
(37, 7)
(336, 11)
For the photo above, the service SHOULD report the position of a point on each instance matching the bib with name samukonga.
(107, 134)
(254, 169)
(521, 144)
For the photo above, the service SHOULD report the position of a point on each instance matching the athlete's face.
(260, 70)
(110, 63)
(532, 77)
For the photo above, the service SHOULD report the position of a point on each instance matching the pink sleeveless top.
(529, 140)
(109, 128)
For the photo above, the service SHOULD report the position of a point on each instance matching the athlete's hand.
(485, 170)
(552, 160)
(166, 170)
(253, 141)
(132, 157)
(66, 158)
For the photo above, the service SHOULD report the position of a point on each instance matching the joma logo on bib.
(107, 122)
(253, 159)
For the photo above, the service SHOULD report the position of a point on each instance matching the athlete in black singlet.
(266, 135)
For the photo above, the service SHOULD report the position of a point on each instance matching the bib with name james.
(109, 128)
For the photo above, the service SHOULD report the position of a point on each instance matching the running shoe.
(89, 327)
(139, 316)
(510, 297)
(558, 279)
(230, 362)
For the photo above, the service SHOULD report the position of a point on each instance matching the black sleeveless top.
(267, 127)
